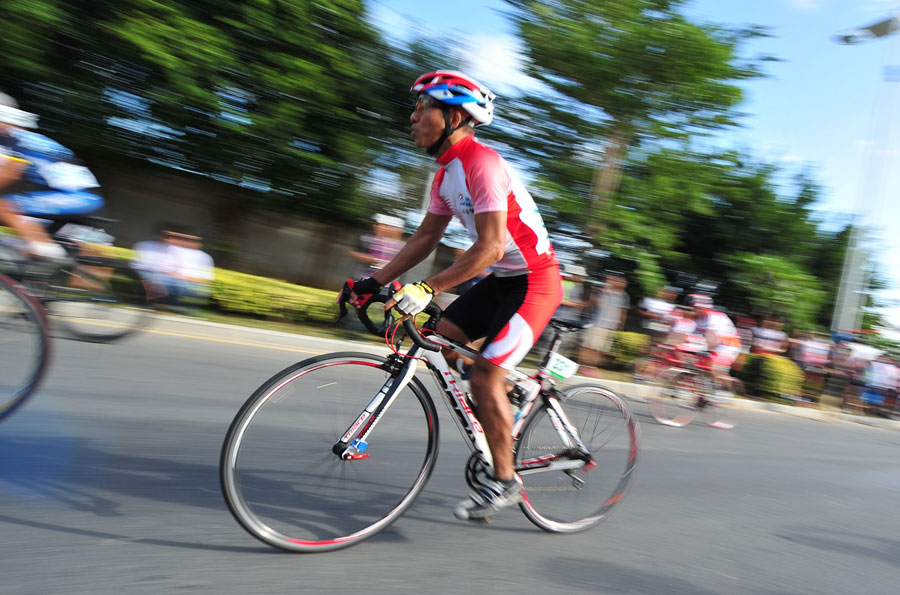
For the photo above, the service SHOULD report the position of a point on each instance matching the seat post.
(555, 342)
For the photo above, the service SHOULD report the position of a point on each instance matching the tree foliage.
(625, 74)
(269, 95)
(307, 103)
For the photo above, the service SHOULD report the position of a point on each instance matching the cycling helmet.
(450, 87)
(455, 88)
(11, 114)
(700, 301)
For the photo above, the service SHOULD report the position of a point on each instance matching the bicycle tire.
(611, 433)
(675, 402)
(287, 488)
(648, 369)
(717, 412)
(24, 346)
(97, 299)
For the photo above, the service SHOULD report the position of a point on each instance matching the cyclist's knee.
(486, 376)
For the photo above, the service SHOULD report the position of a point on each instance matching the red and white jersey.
(475, 179)
(720, 324)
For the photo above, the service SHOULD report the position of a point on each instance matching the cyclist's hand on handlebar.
(411, 299)
(358, 292)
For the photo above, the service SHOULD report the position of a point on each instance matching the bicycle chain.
(529, 490)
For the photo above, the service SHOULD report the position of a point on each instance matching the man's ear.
(458, 117)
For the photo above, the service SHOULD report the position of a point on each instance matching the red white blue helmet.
(701, 301)
(11, 114)
(455, 88)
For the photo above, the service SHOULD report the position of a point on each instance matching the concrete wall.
(294, 249)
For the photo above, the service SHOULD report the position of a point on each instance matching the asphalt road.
(108, 484)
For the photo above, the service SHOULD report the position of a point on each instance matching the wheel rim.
(98, 303)
(567, 502)
(23, 347)
(288, 488)
(675, 403)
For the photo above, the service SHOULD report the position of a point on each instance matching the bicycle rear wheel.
(97, 299)
(718, 410)
(280, 477)
(566, 501)
(24, 346)
(676, 402)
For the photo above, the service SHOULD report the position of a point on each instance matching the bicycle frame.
(353, 442)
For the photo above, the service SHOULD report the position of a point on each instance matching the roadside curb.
(638, 393)
(641, 392)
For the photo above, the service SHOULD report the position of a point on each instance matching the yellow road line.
(210, 339)
(231, 342)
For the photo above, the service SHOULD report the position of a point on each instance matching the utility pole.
(852, 292)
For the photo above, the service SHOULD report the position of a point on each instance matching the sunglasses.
(423, 101)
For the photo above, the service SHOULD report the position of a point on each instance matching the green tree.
(628, 73)
(269, 95)
(773, 285)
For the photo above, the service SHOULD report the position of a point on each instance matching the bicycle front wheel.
(97, 299)
(24, 346)
(574, 499)
(286, 486)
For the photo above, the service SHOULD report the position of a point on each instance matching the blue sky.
(826, 106)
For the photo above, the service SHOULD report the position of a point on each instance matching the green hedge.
(627, 347)
(241, 293)
(250, 295)
(771, 376)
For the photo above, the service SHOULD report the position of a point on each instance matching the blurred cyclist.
(722, 339)
(512, 305)
(38, 176)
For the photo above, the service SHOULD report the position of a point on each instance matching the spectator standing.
(745, 332)
(881, 379)
(610, 308)
(811, 354)
(839, 371)
(769, 338)
(659, 313)
(380, 247)
(574, 305)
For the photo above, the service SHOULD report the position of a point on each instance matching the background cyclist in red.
(511, 306)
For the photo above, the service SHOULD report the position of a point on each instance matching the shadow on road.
(845, 543)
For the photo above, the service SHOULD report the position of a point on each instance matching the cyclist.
(511, 306)
(722, 339)
(38, 176)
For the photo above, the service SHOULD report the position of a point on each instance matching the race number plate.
(561, 367)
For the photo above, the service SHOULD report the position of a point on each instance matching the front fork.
(353, 442)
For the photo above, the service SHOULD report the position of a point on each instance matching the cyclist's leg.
(488, 384)
(471, 316)
(12, 216)
(16, 208)
(724, 358)
(522, 308)
(451, 330)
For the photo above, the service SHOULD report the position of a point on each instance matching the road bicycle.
(88, 296)
(24, 345)
(686, 388)
(333, 449)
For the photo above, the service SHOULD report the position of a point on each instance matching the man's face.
(427, 121)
